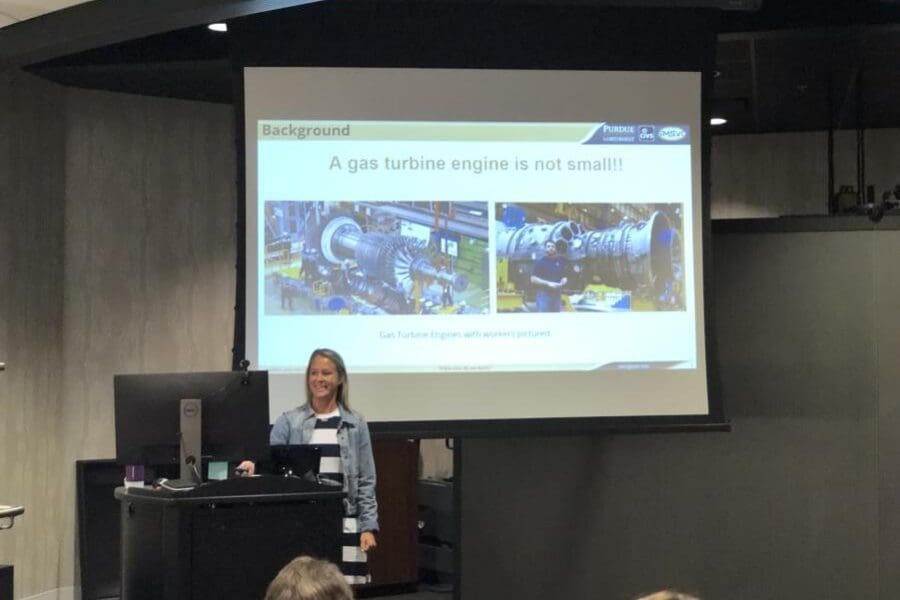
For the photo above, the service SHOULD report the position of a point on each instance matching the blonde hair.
(307, 578)
(343, 391)
(668, 595)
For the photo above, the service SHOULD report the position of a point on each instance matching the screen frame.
(697, 55)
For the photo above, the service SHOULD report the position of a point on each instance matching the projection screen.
(479, 245)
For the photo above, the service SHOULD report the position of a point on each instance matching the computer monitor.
(230, 407)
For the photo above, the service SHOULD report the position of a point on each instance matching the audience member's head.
(668, 595)
(307, 578)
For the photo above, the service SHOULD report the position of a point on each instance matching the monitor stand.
(191, 440)
(190, 444)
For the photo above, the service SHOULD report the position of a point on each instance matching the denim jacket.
(296, 427)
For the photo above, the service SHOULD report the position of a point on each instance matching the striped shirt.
(325, 438)
(353, 563)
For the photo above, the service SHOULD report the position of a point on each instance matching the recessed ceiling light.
(218, 26)
(715, 121)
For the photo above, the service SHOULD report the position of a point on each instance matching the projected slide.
(468, 223)
(478, 244)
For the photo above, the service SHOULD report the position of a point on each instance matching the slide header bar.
(418, 131)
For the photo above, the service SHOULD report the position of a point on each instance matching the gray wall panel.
(794, 317)
(150, 255)
(784, 506)
(32, 134)
(886, 364)
(119, 225)
(777, 174)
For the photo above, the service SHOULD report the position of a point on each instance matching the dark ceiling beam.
(103, 22)
(730, 5)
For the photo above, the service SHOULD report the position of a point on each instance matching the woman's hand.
(246, 468)
(367, 541)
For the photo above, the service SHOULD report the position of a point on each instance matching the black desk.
(223, 540)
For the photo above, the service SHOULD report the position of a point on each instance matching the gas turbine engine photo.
(376, 258)
(617, 257)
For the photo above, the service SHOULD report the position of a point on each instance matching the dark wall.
(453, 34)
(796, 502)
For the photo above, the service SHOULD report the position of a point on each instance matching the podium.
(8, 516)
(224, 539)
